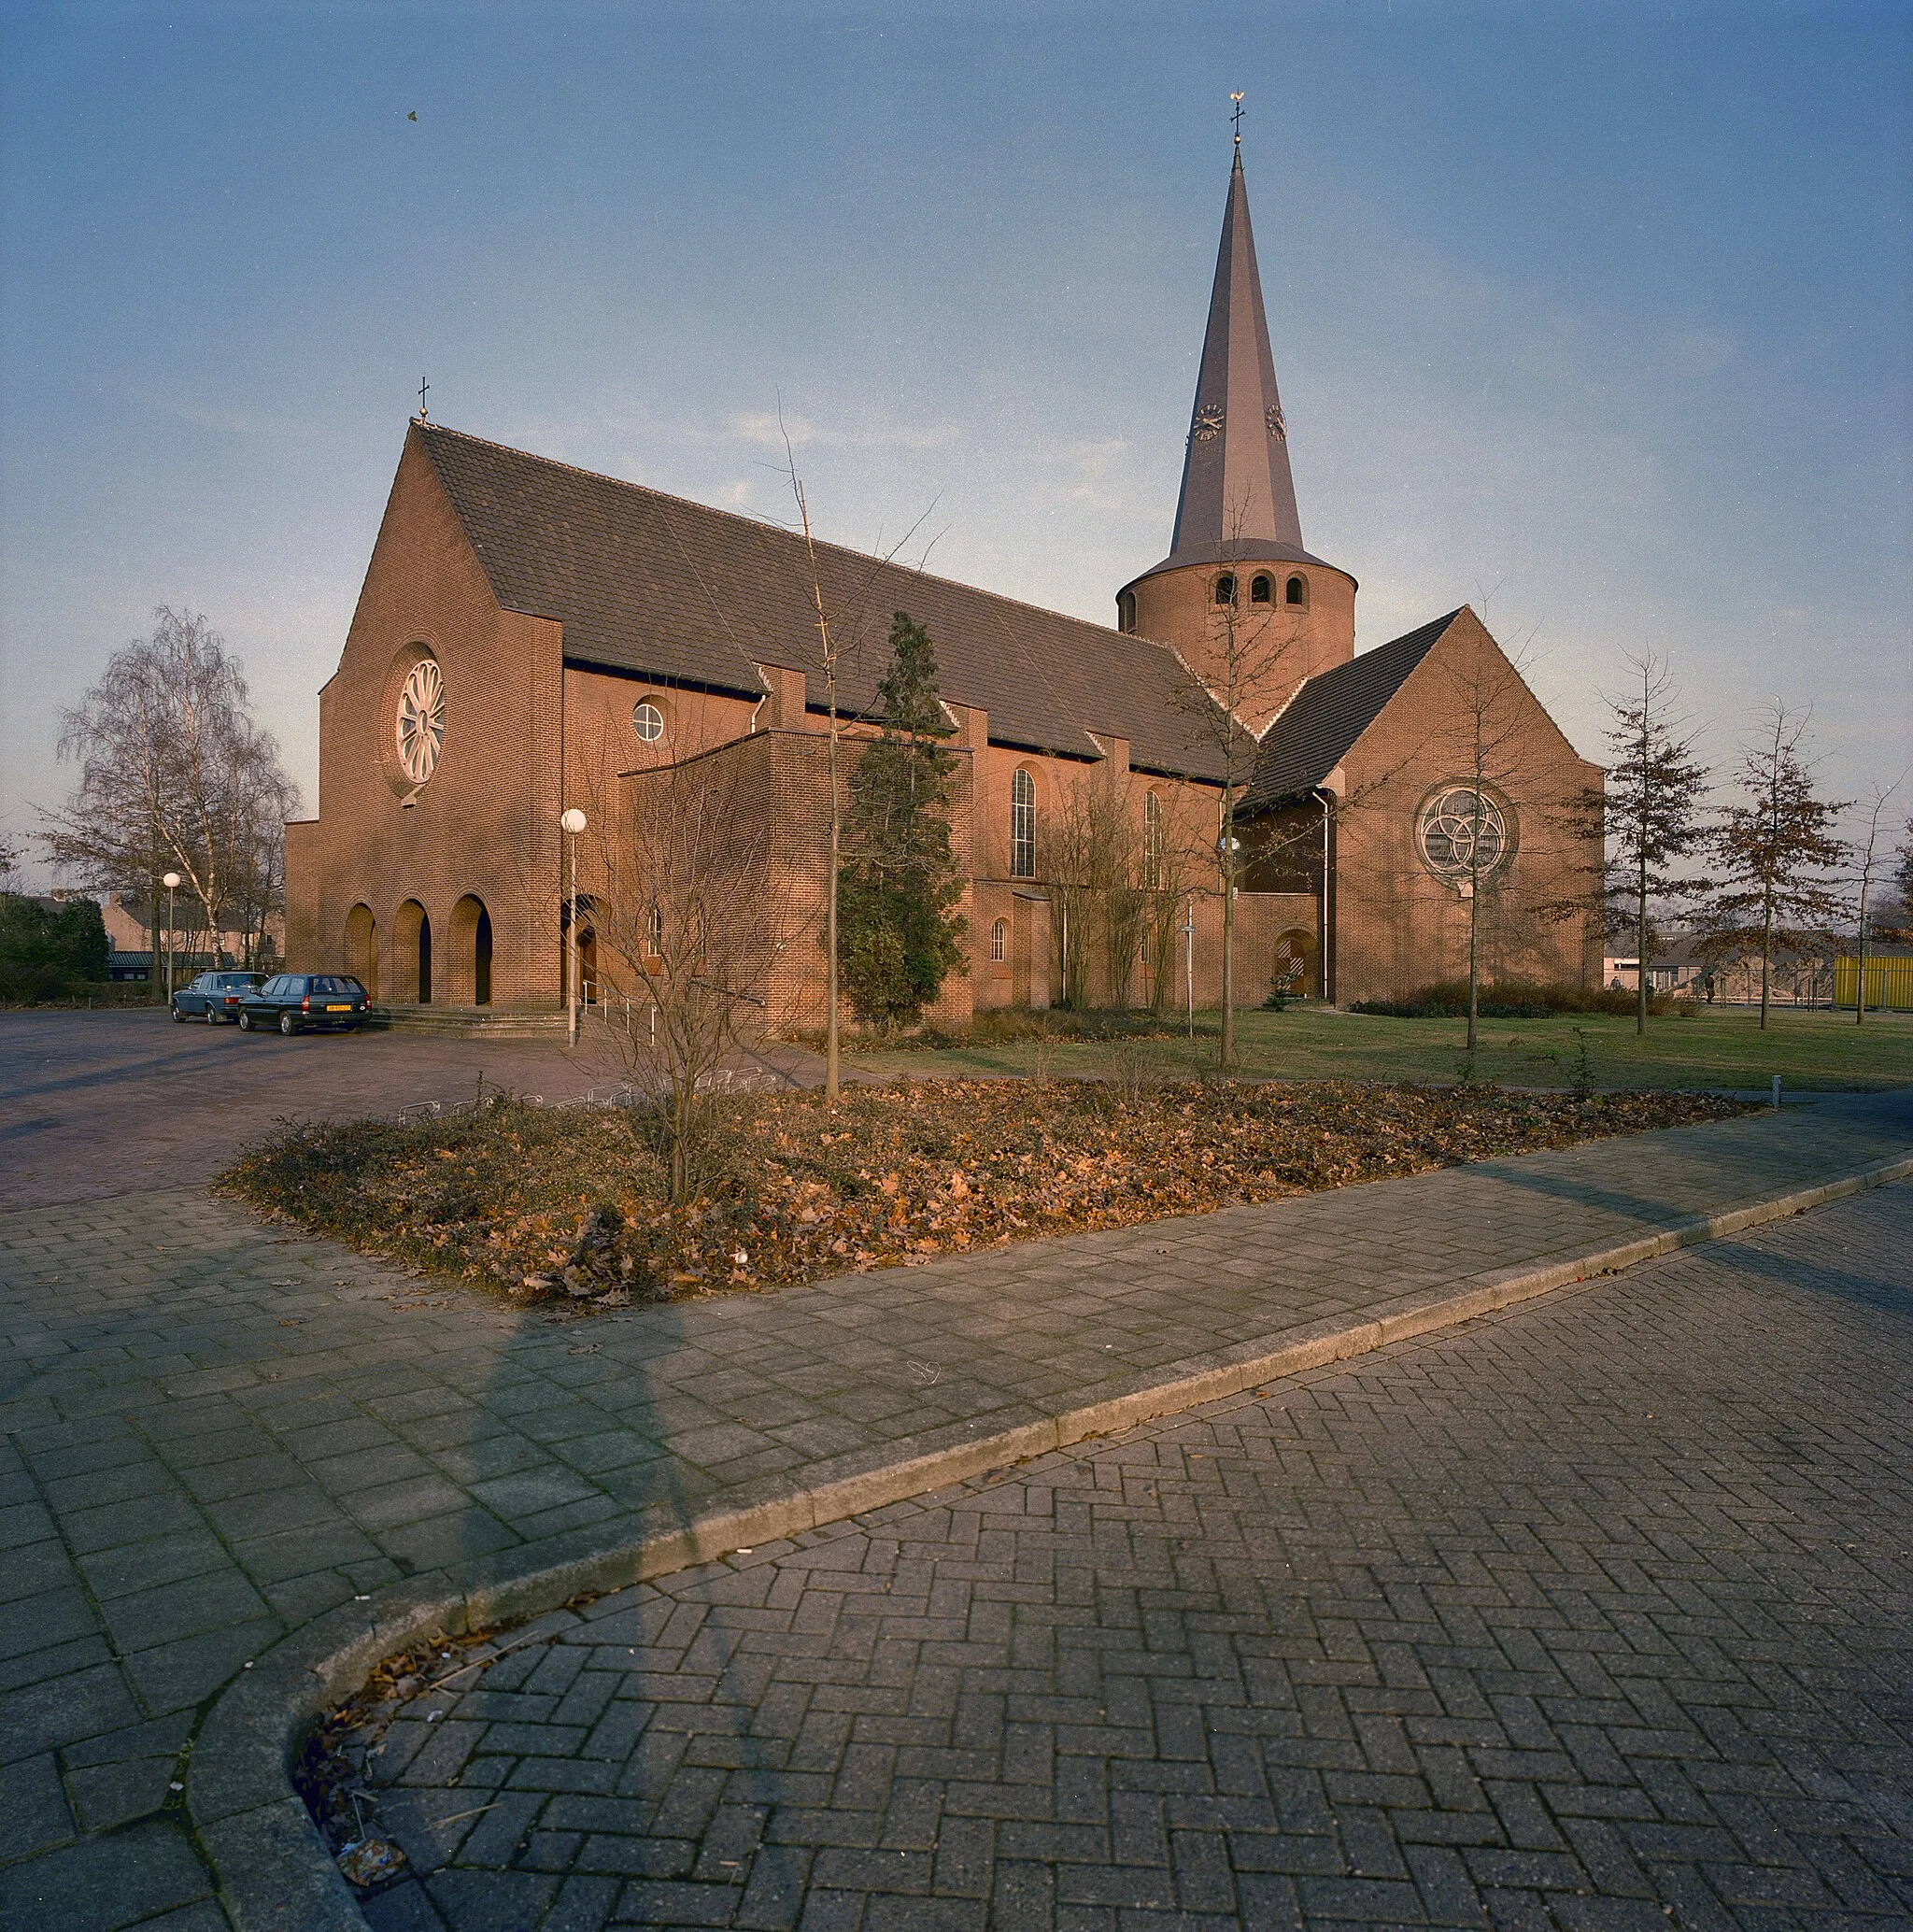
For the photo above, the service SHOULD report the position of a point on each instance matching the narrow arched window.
(1262, 590)
(999, 942)
(1151, 841)
(1126, 610)
(1022, 826)
(1225, 588)
(654, 929)
(1297, 591)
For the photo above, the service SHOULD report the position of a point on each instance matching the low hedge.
(1518, 999)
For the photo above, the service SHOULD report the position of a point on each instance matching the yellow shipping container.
(1888, 981)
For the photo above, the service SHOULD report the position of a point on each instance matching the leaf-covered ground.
(569, 1202)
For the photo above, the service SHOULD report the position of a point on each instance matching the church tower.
(1237, 585)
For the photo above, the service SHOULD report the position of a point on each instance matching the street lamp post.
(573, 822)
(1189, 963)
(171, 882)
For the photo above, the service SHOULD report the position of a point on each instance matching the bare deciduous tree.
(1775, 851)
(1876, 809)
(1252, 670)
(1096, 862)
(174, 774)
(687, 914)
(1487, 749)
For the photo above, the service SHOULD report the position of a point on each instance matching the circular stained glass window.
(421, 721)
(1463, 834)
(647, 721)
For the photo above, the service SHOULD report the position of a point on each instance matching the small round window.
(1463, 834)
(421, 721)
(647, 721)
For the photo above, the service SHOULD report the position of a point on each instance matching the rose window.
(1463, 834)
(421, 721)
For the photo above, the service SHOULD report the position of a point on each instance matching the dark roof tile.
(673, 589)
(1321, 722)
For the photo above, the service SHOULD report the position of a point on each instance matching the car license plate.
(338, 1009)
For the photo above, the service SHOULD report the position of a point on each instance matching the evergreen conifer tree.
(1775, 850)
(898, 927)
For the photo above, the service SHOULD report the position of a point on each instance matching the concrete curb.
(273, 1868)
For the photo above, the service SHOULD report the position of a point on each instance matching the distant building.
(530, 637)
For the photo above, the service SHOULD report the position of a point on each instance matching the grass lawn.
(1721, 1047)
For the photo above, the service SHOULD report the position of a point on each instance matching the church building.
(534, 639)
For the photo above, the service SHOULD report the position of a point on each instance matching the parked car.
(294, 1001)
(214, 997)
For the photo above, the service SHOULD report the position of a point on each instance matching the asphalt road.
(101, 1103)
(1592, 1616)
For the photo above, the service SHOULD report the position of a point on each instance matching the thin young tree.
(899, 931)
(1251, 669)
(1650, 812)
(1776, 852)
(175, 774)
(1875, 810)
(687, 914)
(1487, 743)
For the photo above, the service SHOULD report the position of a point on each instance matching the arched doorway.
(469, 980)
(1294, 969)
(361, 948)
(412, 955)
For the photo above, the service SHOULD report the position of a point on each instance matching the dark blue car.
(292, 1002)
(214, 997)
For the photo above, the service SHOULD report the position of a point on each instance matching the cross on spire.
(1237, 118)
(423, 385)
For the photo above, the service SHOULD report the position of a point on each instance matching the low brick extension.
(228, 1448)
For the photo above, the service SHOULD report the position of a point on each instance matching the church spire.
(1238, 495)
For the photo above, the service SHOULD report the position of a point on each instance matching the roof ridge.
(692, 503)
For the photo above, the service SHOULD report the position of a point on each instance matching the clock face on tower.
(1209, 420)
(1277, 423)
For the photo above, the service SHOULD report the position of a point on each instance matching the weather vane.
(1237, 118)
(423, 384)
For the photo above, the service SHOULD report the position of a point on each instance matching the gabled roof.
(1332, 710)
(673, 590)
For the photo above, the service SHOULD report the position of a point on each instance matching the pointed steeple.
(1239, 497)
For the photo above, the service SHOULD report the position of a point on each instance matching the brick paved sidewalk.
(216, 1433)
(1459, 1635)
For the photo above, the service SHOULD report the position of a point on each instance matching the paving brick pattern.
(1590, 1616)
(215, 1431)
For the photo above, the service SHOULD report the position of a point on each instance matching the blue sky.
(1597, 314)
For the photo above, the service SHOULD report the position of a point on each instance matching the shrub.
(48, 952)
(1517, 999)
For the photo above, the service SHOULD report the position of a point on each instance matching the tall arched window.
(1022, 826)
(1126, 610)
(1262, 590)
(1152, 840)
(1297, 591)
(999, 942)
(1225, 588)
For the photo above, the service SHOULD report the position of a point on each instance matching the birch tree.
(174, 774)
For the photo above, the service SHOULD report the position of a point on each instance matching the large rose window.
(421, 721)
(1463, 834)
